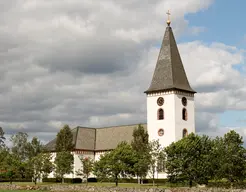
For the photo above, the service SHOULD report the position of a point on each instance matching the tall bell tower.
(170, 99)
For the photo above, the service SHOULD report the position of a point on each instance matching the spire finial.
(168, 18)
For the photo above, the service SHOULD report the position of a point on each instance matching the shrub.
(92, 180)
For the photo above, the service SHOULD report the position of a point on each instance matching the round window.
(160, 132)
(184, 101)
(160, 101)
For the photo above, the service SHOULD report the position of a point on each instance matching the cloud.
(88, 63)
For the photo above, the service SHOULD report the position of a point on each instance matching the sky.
(87, 63)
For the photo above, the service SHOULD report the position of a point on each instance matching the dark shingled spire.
(169, 71)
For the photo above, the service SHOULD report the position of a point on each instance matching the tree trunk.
(153, 179)
(190, 183)
(116, 181)
(62, 179)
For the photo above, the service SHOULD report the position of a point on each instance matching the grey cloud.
(68, 62)
(92, 56)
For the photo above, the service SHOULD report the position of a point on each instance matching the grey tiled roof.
(109, 137)
(85, 138)
(99, 139)
(169, 71)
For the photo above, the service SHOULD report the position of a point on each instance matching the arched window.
(184, 114)
(185, 133)
(160, 114)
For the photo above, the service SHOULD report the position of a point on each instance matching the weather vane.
(168, 18)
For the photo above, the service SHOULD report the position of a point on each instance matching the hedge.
(66, 180)
(15, 180)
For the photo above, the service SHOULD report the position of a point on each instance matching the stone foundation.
(73, 188)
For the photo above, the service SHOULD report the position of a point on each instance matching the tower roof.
(169, 71)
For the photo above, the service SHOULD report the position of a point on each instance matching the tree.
(19, 145)
(230, 157)
(34, 148)
(10, 165)
(157, 156)
(63, 164)
(87, 167)
(2, 138)
(64, 139)
(116, 163)
(64, 159)
(189, 159)
(41, 166)
(140, 145)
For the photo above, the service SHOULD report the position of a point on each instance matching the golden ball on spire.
(168, 20)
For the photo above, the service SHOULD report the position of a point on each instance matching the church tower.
(170, 99)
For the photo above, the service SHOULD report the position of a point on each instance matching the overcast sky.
(87, 63)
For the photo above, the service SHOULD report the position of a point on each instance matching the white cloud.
(87, 63)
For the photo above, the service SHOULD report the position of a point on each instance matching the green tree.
(116, 163)
(19, 145)
(2, 138)
(64, 139)
(64, 159)
(41, 166)
(34, 148)
(189, 159)
(230, 157)
(87, 167)
(10, 165)
(157, 155)
(140, 145)
(63, 164)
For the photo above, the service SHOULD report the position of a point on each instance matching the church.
(170, 111)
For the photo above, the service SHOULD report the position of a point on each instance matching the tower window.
(160, 132)
(184, 114)
(160, 114)
(185, 133)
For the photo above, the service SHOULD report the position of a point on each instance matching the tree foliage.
(41, 166)
(19, 145)
(64, 159)
(140, 145)
(63, 164)
(2, 138)
(34, 148)
(157, 155)
(189, 159)
(229, 158)
(87, 167)
(116, 163)
(64, 139)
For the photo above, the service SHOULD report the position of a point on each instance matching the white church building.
(170, 111)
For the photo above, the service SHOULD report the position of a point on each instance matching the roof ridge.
(120, 126)
(171, 54)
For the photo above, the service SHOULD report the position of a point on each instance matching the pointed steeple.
(169, 72)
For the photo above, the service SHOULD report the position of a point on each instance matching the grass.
(18, 191)
(98, 184)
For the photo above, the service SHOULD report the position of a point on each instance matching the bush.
(77, 180)
(51, 180)
(15, 180)
(66, 180)
(92, 180)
